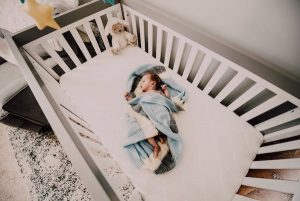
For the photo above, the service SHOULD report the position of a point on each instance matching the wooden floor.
(266, 195)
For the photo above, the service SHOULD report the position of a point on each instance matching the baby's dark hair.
(154, 77)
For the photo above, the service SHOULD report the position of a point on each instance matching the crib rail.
(88, 39)
(274, 112)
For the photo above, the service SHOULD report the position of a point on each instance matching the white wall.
(267, 30)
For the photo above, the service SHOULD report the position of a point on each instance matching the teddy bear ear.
(125, 23)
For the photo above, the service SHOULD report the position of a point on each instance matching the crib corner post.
(4, 33)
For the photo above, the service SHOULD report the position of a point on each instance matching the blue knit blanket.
(151, 116)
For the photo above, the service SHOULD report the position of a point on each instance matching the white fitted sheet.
(218, 145)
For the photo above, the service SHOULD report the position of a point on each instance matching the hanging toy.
(41, 13)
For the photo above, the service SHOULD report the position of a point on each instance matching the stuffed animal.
(120, 38)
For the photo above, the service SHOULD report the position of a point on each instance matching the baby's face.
(146, 83)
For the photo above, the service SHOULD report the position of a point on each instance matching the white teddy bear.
(120, 38)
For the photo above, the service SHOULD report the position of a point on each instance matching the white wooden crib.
(236, 107)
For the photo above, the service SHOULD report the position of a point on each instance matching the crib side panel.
(252, 98)
(274, 112)
(74, 44)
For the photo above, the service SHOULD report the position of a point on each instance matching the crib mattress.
(218, 146)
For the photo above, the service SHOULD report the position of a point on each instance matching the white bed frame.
(176, 51)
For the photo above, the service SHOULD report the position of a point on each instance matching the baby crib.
(233, 115)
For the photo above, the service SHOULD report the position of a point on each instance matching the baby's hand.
(165, 90)
(127, 96)
(162, 139)
(164, 87)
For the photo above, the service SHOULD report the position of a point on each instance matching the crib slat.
(91, 143)
(271, 184)
(267, 105)
(150, 39)
(215, 78)
(168, 49)
(238, 197)
(282, 134)
(86, 136)
(280, 119)
(236, 80)
(69, 50)
(92, 38)
(46, 77)
(55, 56)
(286, 146)
(178, 55)
(158, 43)
(248, 95)
(142, 33)
(109, 15)
(202, 69)
(133, 22)
(126, 14)
(84, 131)
(293, 163)
(190, 62)
(43, 64)
(119, 13)
(80, 43)
(101, 30)
(72, 115)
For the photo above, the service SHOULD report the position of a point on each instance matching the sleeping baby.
(151, 82)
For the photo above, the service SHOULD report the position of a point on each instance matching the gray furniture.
(18, 107)
(11, 82)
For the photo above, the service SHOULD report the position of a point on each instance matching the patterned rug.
(48, 173)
